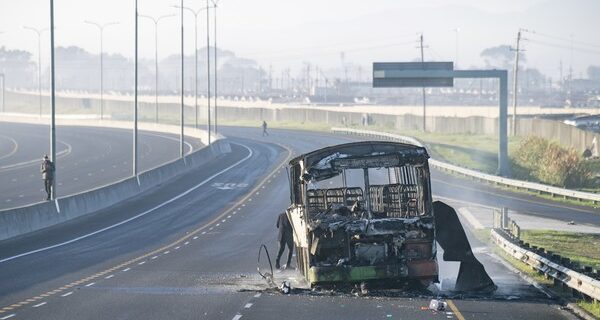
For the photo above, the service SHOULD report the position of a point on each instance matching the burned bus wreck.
(363, 212)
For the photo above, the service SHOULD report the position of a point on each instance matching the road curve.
(88, 157)
(195, 256)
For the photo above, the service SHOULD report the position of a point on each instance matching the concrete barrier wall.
(469, 120)
(19, 221)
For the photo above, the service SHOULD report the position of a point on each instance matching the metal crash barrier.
(573, 279)
(537, 187)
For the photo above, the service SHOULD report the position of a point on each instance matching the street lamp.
(101, 29)
(135, 98)
(195, 13)
(156, 20)
(39, 34)
(52, 100)
(216, 65)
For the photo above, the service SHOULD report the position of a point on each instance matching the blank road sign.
(389, 74)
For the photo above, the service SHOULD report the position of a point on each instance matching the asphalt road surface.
(87, 158)
(189, 251)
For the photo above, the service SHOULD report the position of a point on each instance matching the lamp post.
(52, 100)
(2, 77)
(181, 137)
(216, 65)
(195, 13)
(156, 20)
(101, 29)
(39, 35)
(135, 99)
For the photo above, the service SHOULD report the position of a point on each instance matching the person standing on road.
(48, 176)
(264, 126)
(285, 239)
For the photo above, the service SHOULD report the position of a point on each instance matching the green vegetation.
(548, 162)
(579, 247)
(591, 307)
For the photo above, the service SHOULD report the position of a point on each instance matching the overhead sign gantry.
(442, 74)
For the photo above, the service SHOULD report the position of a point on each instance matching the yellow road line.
(454, 309)
(176, 242)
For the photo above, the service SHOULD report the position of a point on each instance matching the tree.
(499, 56)
(593, 72)
(20, 71)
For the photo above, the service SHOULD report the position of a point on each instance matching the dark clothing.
(285, 238)
(47, 170)
(290, 246)
(264, 126)
(285, 228)
(48, 187)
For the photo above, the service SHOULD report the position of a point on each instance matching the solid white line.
(67, 294)
(39, 304)
(138, 215)
(14, 314)
(90, 284)
(470, 218)
(237, 317)
(248, 305)
(14, 150)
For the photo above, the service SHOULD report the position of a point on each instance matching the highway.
(88, 157)
(191, 253)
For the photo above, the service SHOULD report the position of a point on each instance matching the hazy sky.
(289, 32)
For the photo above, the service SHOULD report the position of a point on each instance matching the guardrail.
(561, 274)
(537, 187)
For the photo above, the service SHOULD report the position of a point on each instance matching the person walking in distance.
(48, 176)
(264, 126)
(285, 238)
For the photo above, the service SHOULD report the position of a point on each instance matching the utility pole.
(52, 100)
(423, 88)
(39, 34)
(135, 99)
(515, 83)
(101, 29)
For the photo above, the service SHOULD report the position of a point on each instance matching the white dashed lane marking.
(12, 315)
(237, 317)
(154, 257)
(126, 269)
(39, 304)
(90, 284)
(108, 277)
(257, 295)
(196, 237)
(67, 294)
(248, 305)
(141, 263)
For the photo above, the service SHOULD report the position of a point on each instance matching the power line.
(569, 40)
(560, 46)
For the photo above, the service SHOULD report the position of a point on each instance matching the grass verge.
(590, 306)
(567, 244)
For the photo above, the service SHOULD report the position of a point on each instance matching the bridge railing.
(497, 180)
